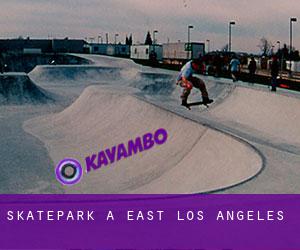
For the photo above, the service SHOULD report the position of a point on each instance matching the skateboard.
(189, 105)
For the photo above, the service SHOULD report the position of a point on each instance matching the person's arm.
(179, 78)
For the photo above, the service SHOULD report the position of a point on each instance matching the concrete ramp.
(154, 83)
(194, 159)
(75, 74)
(109, 61)
(259, 112)
(17, 88)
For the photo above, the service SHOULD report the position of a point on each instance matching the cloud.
(88, 18)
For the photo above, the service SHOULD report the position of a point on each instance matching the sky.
(92, 18)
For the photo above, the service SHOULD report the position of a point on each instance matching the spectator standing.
(235, 68)
(252, 69)
(218, 65)
(274, 73)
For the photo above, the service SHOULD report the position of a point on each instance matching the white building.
(295, 66)
(146, 52)
(182, 51)
(122, 50)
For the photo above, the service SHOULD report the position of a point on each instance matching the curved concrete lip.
(270, 115)
(18, 89)
(195, 158)
(75, 73)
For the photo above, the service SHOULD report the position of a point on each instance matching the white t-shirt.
(187, 71)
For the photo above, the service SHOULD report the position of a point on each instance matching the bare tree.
(265, 46)
(225, 48)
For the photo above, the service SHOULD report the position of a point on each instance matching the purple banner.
(150, 222)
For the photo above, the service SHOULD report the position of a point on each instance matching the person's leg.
(199, 84)
(274, 83)
(184, 96)
(185, 93)
(237, 76)
(251, 76)
(233, 75)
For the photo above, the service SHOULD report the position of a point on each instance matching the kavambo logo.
(69, 171)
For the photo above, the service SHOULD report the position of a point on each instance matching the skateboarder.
(187, 81)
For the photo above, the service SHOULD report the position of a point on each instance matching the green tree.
(130, 40)
(148, 40)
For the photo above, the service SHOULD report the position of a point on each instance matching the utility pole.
(229, 44)
(189, 40)
(292, 19)
(208, 45)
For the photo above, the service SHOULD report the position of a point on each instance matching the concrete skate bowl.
(17, 89)
(109, 61)
(74, 74)
(272, 116)
(154, 83)
(194, 159)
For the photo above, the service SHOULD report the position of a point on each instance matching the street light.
(106, 35)
(229, 44)
(208, 45)
(189, 38)
(116, 35)
(154, 42)
(281, 57)
(292, 20)
(279, 45)
(154, 32)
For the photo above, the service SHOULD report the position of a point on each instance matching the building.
(42, 45)
(68, 45)
(120, 50)
(295, 66)
(146, 52)
(179, 52)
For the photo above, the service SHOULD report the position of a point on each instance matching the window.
(147, 51)
(135, 51)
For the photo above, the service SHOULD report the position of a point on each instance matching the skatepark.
(248, 141)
